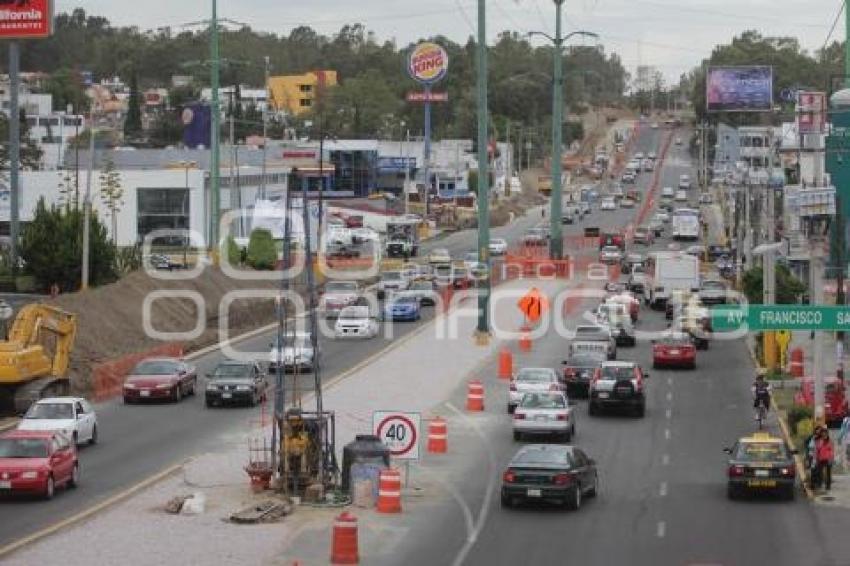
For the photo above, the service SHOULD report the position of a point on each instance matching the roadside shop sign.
(780, 317)
(428, 63)
(26, 19)
(399, 431)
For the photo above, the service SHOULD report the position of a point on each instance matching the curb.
(802, 473)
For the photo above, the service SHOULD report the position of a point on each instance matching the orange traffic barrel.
(525, 341)
(389, 491)
(344, 542)
(506, 364)
(475, 396)
(797, 366)
(438, 433)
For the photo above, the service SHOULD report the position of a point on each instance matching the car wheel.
(192, 388)
(592, 409)
(790, 493)
(574, 502)
(93, 439)
(640, 411)
(128, 401)
(507, 501)
(592, 492)
(74, 480)
(208, 403)
(655, 365)
(732, 492)
(693, 365)
(252, 402)
(517, 436)
(75, 437)
(178, 394)
(511, 409)
(50, 488)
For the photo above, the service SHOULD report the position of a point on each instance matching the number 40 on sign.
(400, 432)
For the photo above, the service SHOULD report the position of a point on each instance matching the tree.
(262, 253)
(68, 188)
(788, 288)
(67, 89)
(166, 130)
(31, 153)
(234, 254)
(111, 194)
(133, 120)
(51, 247)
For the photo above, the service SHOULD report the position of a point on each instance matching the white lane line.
(668, 413)
(662, 529)
(669, 396)
(665, 460)
(667, 434)
(669, 381)
(662, 489)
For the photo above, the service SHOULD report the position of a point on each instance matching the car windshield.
(355, 313)
(23, 448)
(611, 249)
(617, 372)
(543, 401)
(340, 287)
(232, 370)
(677, 340)
(535, 455)
(585, 360)
(405, 300)
(440, 252)
(155, 367)
(761, 452)
(391, 275)
(534, 374)
(422, 286)
(714, 285)
(50, 411)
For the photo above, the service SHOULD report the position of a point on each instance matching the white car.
(337, 296)
(532, 380)
(705, 198)
(627, 203)
(684, 182)
(608, 204)
(681, 196)
(667, 192)
(296, 355)
(73, 416)
(356, 322)
(610, 255)
(662, 217)
(498, 246)
(439, 255)
(392, 281)
(546, 413)
(470, 260)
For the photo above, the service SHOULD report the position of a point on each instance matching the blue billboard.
(197, 120)
(739, 89)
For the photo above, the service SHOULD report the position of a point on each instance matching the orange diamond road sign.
(533, 304)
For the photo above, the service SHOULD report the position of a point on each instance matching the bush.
(262, 253)
(798, 413)
(234, 253)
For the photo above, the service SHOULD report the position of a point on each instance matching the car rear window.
(613, 372)
(340, 287)
(155, 367)
(50, 411)
(761, 452)
(23, 448)
(544, 455)
(543, 401)
(527, 374)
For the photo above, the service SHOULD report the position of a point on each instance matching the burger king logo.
(428, 63)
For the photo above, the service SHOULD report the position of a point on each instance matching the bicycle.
(761, 413)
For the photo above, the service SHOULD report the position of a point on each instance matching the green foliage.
(798, 413)
(166, 129)
(68, 188)
(234, 254)
(133, 120)
(67, 89)
(30, 151)
(788, 288)
(51, 248)
(262, 253)
(111, 193)
(128, 259)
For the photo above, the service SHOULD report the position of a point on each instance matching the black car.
(715, 252)
(760, 463)
(578, 370)
(549, 472)
(238, 383)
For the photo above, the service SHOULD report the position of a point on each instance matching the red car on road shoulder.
(37, 462)
(675, 349)
(836, 406)
(160, 378)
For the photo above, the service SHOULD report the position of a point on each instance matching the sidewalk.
(417, 375)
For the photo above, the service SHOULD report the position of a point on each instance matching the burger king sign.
(428, 63)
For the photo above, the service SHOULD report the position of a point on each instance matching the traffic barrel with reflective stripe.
(506, 364)
(797, 366)
(389, 491)
(475, 396)
(344, 542)
(438, 433)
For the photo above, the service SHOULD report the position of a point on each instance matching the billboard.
(739, 89)
(428, 63)
(26, 19)
(427, 96)
(811, 112)
(197, 120)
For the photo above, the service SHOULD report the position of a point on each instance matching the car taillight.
(569, 372)
(561, 479)
(787, 471)
(562, 417)
(736, 471)
(508, 477)
(513, 386)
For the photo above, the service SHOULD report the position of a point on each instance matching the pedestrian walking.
(844, 442)
(811, 459)
(825, 454)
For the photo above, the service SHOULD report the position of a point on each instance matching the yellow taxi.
(760, 463)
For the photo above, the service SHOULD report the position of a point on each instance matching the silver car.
(532, 380)
(544, 413)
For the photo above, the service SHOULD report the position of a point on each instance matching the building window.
(160, 209)
(305, 88)
(305, 103)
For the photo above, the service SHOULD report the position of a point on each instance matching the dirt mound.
(110, 318)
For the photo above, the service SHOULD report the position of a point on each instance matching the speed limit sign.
(399, 432)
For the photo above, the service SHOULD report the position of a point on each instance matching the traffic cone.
(344, 542)
(438, 436)
(506, 363)
(524, 340)
(475, 396)
(389, 491)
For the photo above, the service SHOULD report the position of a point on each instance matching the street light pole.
(84, 283)
(215, 117)
(556, 243)
(483, 327)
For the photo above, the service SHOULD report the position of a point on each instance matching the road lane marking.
(662, 529)
(669, 396)
(662, 489)
(669, 381)
(667, 434)
(668, 413)
(665, 460)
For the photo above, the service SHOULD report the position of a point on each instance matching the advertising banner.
(811, 112)
(197, 120)
(739, 89)
(427, 96)
(26, 19)
(428, 63)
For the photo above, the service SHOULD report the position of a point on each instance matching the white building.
(248, 95)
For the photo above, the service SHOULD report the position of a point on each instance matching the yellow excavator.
(34, 358)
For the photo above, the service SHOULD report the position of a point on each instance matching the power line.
(465, 16)
(841, 5)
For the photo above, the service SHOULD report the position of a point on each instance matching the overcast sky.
(673, 35)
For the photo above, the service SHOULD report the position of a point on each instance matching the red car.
(160, 378)
(612, 239)
(835, 407)
(674, 350)
(37, 462)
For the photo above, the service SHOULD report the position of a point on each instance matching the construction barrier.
(438, 433)
(475, 396)
(389, 491)
(108, 377)
(506, 364)
(797, 366)
(344, 542)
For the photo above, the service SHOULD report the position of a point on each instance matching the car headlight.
(129, 386)
(243, 388)
(212, 387)
(29, 475)
(165, 385)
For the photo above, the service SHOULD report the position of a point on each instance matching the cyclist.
(761, 393)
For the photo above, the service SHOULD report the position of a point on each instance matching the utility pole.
(510, 151)
(483, 328)
(556, 242)
(15, 151)
(265, 129)
(407, 172)
(817, 269)
(215, 119)
(84, 284)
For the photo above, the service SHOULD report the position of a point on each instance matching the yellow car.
(761, 463)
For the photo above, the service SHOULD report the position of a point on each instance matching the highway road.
(137, 441)
(662, 498)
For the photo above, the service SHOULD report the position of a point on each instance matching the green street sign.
(729, 318)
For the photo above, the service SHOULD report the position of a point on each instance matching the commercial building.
(296, 94)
